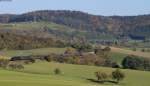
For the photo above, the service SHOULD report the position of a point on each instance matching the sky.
(96, 7)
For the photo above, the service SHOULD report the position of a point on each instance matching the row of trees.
(99, 57)
(74, 56)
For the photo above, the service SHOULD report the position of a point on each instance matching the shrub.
(4, 61)
(118, 75)
(101, 75)
(89, 59)
(110, 63)
(48, 58)
(32, 60)
(27, 62)
(70, 51)
(137, 63)
(104, 53)
(15, 66)
(107, 49)
(57, 71)
(143, 50)
(82, 47)
(134, 49)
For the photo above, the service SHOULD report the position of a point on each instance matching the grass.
(130, 52)
(41, 51)
(81, 72)
(40, 25)
(117, 57)
(41, 73)
(10, 78)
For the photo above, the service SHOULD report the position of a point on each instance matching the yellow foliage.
(3, 57)
(70, 50)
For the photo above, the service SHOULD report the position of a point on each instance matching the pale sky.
(98, 7)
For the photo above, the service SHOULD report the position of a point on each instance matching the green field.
(41, 73)
(41, 51)
(117, 57)
(34, 25)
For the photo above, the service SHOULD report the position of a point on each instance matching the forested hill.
(136, 27)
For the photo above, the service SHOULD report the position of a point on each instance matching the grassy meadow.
(41, 73)
(130, 52)
(40, 51)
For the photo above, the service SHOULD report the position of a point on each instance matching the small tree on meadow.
(57, 71)
(134, 49)
(118, 75)
(143, 50)
(101, 75)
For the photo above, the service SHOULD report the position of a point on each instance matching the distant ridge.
(134, 27)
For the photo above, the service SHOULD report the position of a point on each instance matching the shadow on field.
(102, 81)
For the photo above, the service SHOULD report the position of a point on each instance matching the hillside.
(41, 73)
(49, 28)
(32, 35)
(134, 27)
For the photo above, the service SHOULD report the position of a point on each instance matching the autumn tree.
(70, 51)
(102, 52)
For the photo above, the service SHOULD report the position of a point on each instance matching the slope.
(41, 73)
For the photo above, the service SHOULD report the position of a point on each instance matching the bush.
(32, 60)
(134, 49)
(143, 50)
(137, 63)
(48, 58)
(110, 63)
(57, 71)
(4, 61)
(107, 49)
(118, 75)
(101, 75)
(15, 66)
(70, 51)
(82, 47)
(104, 53)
